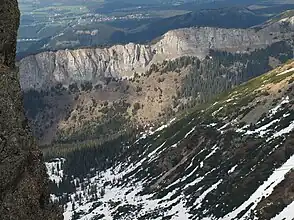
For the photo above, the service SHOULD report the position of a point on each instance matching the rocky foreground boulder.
(23, 181)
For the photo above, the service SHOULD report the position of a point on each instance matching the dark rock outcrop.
(9, 22)
(23, 180)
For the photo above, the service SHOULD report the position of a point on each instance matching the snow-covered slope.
(231, 159)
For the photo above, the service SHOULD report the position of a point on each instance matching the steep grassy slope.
(230, 159)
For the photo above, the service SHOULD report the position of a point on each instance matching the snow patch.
(54, 170)
(286, 214)
(275, 109)
(285, 72)
(263, 191)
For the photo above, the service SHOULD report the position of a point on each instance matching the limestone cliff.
(23, 181)
(68, 66)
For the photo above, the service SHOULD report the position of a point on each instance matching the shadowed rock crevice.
(23, 180)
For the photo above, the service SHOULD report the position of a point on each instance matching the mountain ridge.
(123, 61)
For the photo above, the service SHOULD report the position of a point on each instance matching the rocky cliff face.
(67, 66)
(9, 22)
(23, 180)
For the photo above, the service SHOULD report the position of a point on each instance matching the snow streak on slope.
(286, 214)
(270, 128)
(263, 191)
